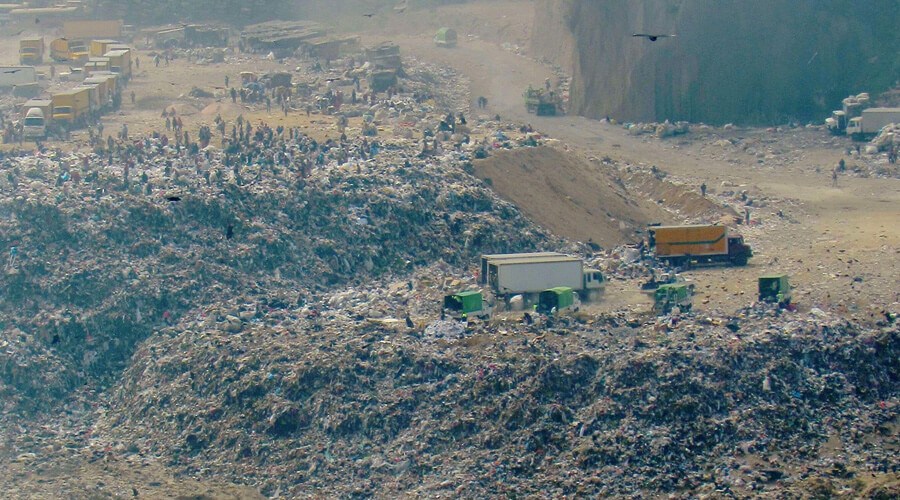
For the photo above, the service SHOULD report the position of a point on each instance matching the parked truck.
(686, 245)
(100, 47)
(872, 120)
(10, 76)
(852, 107)
(530, 275)
(71, 107)
(94, 97)
(38, 118)
(31, 50)
(105, 87)
(69, 50)
(87, 30)
(120, 62)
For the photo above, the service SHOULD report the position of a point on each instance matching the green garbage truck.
(775, 288)
(466, 304)
(668, 297)
(556, 299)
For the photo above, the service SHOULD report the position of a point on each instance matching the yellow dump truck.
(100, 47)
(31, 50)
(120, 62)
(71, 107)
(686, 245)
(66, 50)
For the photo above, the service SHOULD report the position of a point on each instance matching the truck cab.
(35, 125)
(854, 127)
(837, 124)
(738, 251)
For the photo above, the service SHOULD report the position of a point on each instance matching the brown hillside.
(569, 196)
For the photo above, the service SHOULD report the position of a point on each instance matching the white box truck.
(533, 274)
(871, 122)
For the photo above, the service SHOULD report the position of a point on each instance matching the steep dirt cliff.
(751, 62)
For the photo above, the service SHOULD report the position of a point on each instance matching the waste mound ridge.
(101, 263)
(577, 406)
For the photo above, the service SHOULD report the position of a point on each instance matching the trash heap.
(99, 254)
(321, 399)
(659, 130)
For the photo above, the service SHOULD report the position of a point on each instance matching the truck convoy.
(685, 245)
(31, 50)
(529, 274)
(871, 121)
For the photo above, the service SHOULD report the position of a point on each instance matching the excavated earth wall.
(746, 62)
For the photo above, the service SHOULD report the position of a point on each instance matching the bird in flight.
(652, 37)
(368, 15)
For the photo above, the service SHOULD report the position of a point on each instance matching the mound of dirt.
(569, 196)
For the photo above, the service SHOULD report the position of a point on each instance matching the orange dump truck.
(685, 245)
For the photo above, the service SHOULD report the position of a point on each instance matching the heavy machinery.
(529, 274)
(686, 245)
(555, 300)
(68, 50)
(668, 297)
(872, 120)
(775, 288)
(542, 103)
(463, 305)
(31, 50)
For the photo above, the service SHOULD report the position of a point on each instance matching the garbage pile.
(659, 130)
(888, 138)
(319, 399)
(102, 248)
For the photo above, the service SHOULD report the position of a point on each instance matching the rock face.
(747, 62)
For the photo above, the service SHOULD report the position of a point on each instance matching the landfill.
(248, 310)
